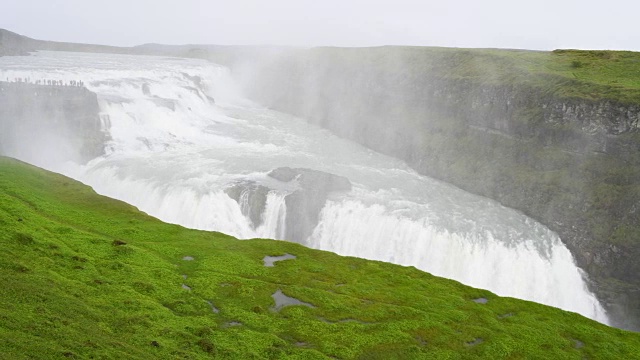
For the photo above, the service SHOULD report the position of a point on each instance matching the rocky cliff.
(49, 123)
(562, 150)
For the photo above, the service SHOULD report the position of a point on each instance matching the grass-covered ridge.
(566, 74)
(85, 276)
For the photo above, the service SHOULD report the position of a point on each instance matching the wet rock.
(252, 199)
(304, 205)
(312, 179)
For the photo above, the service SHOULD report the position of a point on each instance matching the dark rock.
(252, 199)
(312, 179)
(304, 205)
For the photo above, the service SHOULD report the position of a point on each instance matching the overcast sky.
(541, 24)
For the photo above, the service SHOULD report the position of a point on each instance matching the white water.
(173, 152)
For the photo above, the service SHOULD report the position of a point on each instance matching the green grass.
(570, 74)
(85, 276)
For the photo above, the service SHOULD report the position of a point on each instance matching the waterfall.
(473, 258)
(173, 153)
(274, 217)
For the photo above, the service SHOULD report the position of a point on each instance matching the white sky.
(541, 24)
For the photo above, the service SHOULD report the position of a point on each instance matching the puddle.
(213, 308)
(475, 342)
(188, 258)
(186, 287)
(480, 300)
(270, 260)
(283, 300)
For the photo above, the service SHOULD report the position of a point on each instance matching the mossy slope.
(85, 276)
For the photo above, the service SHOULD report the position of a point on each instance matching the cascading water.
(274, 216)
(179, 156)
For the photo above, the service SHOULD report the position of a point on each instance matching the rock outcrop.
(305, 203)
(307, 193)
(252, 198)
(42, 122)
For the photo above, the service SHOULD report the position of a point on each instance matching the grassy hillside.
(85, 276)
(581, 74)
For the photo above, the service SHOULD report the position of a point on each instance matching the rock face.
(311, 189)
(252, 199)
(304, 205)
(571, 163)
(54, 122)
